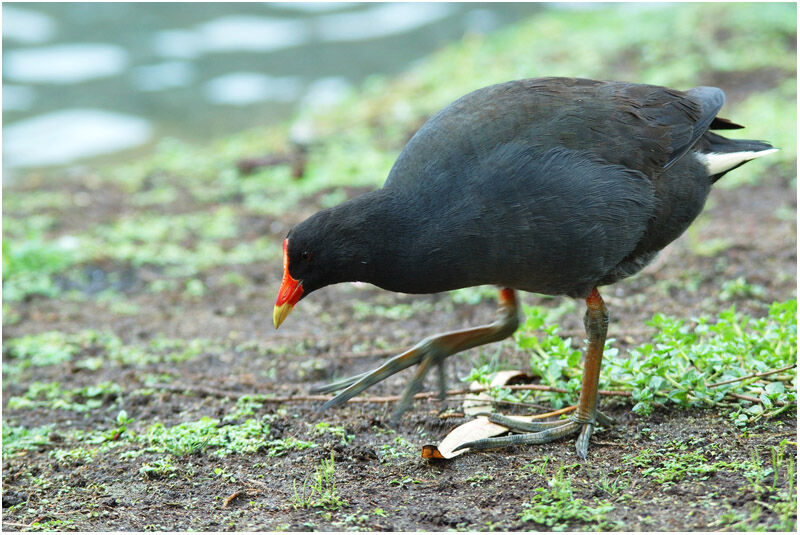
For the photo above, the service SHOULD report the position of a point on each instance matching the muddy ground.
(381, 482)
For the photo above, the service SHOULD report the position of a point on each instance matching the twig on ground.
(754, 399)
(558, 412)
(744, 397)
(300, 398)
(232, 497)
(762, 374)
(214, 392)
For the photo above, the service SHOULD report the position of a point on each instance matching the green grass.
(556, 507)
(92, 349)
(677, 461)
(399, 448)
(17, 439)
(28, 266)
(321, 491)
(336, 431)
(774, 487)
(400, 311)
(697, 363)
(178, 245)
(219, 438)
(74, 456)
(160, 468)
(53, 397)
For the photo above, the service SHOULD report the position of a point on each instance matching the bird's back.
(635, 125)
(554, 184)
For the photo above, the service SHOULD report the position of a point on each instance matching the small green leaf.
(775, 388)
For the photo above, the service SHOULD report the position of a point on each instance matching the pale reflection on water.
(63, 136)
(64, 64)
(82, 80)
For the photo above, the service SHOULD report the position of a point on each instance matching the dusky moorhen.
(547, 185)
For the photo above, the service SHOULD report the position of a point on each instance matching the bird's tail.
(720, 154)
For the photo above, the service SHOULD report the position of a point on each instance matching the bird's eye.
(305, 256)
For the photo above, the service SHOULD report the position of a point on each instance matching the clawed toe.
(520, 426)
(530, 433)
(338, 385)
(430, 351)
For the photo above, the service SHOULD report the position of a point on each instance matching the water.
(82, 80)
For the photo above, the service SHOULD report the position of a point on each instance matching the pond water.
(83, 80)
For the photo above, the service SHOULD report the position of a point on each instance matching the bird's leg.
(586, 415)
(430, 351)
(595, 321)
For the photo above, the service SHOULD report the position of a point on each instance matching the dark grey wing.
(710, 100)
(638, 126)
(555, 223)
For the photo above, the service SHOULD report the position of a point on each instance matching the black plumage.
(547, 185)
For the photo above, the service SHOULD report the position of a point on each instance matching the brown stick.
(559, 412)
(762, 374)
(744, 397)
(422, 395)
(752, 399)
(214, 392)
(230, 498)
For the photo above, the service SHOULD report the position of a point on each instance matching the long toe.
(604, 420)
(394, 365)
(338, 385)
(582, 444)
(519, 426)
(430, 351)
(413, 386)
(524, 439)
(530, 433)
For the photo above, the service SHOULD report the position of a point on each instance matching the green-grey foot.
(425, 354)
(429, 352)
(540, 433)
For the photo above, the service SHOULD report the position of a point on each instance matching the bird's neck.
(376, 239)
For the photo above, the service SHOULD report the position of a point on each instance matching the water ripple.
(27, 27)
(243, 88)
(64, 64)
(161, 76)
(17, 97)
(380, 21)
(64, 136)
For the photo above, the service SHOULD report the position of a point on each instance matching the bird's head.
(338, 244)
(291, 286)
(314, 255)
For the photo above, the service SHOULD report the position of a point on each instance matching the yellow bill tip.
(279, 313)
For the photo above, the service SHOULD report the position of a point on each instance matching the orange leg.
(586, 417)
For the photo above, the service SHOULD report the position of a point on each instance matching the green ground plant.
(677, 461)
(556, 507)
(320, 491)
(732, 361)
(218, 437)
(17, 439)
(160, 468)
(52, 396)
(100, 348)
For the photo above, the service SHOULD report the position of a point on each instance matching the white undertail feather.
(720, 162)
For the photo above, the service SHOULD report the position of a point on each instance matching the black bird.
(547, 185)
